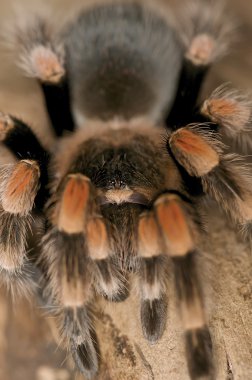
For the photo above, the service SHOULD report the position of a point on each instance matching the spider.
(135, 157)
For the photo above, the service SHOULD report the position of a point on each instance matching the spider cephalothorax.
(122, 191)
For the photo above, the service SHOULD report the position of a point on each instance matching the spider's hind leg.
(76, 256)
(68, 271)
(42, 56)
(206, 34)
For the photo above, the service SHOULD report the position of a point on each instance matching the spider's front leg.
(22, 186)
(77, 257)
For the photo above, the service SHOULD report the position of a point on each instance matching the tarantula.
(135, 157)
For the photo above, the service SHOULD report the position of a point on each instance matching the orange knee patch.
(227, 111)
(174, 226)
(148, 236)
(21, 188)
(97, 239)
(73, 205)
(193, 152)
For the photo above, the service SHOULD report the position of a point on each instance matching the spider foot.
(43, 63)
(81, 339)
(41, 55)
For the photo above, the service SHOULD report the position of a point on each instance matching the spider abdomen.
(123, 61)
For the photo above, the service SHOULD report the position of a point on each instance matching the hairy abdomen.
(123, 61)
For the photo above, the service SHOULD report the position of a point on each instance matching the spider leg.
(76, 254)
(225, 177)
(22, 186)
(22, 142)
(177, 227)
(77, 327)
(79, 213)
(110, 281)
(206, 33)
(69, 287)
(152, 281)
(42, 57)
(228, 111)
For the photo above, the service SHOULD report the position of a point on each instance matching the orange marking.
(97, 238)
(174, 227)
(74, 204)
(217, 109)
(193, 152)
(225, 107)
(191, 143)
(148, 236)
(21, 188)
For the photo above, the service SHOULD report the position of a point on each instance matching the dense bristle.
(230, 109)
(206, 29)
(153, 318)
(199, 354)
(97, 239)
(230, 185)
(174, 226)
(188, 290)
(73, 204)
(148, 236)
(18, 283)
(85, 358)
(74, 288)
(13, 235)
(201, 49)
(69, 268)
(41, 55)
(152, 283)
(110, 281)
(76, 328)
(152, 277)
(43, 63)
(20, 189)
(194, 151)
(75, 324)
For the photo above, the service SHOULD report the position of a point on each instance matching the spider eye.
(117, 182)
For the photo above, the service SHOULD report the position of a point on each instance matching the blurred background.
(27, 348)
